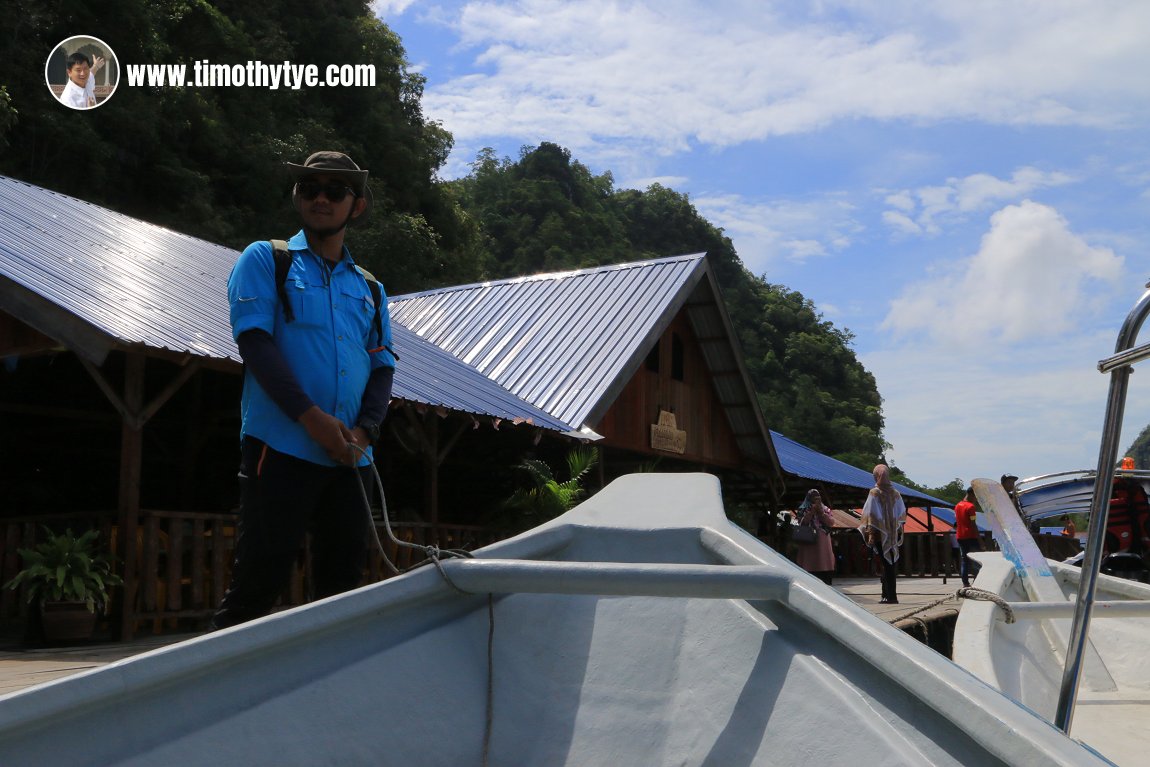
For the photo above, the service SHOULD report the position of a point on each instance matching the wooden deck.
(913, 593)
(25, 668)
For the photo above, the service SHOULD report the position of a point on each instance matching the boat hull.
(759, 663)
(1023, 660)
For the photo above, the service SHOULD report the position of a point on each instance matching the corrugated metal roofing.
(844, 519)
(519, 333)
(916, 521)
(981, 520)
(136, 282)
(557, 340)
(802, 461)
(431, 376)
(143, 284)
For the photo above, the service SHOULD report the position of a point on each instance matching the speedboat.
(1126, 545)
(1069, 642)
(1018, 642)
(642, 627)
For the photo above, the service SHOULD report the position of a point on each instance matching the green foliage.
(952, 492)
(8, 115)
(547, 498)
(209, 160)
(543, 213)
(1139, 449)
(64, 568)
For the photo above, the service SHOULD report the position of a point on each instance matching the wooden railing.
(184, 560)
(922, 555)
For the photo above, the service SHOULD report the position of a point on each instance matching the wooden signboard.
(666, 434)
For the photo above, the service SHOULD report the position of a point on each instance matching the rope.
(435, 555)
(490, 718)
(982, 595)
(966, 592)
(432, 554)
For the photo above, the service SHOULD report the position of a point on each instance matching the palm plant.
(548, 497)
(66, 568)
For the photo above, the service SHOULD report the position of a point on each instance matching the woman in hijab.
(817, 558)
(883, 516)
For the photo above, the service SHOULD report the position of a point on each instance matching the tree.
(209, 160)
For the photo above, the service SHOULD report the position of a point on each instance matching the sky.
(964, 186)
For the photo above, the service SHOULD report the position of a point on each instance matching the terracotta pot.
(67, 621)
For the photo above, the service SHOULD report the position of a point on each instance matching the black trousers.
(966, 565)
(282, 498)
(889, 577)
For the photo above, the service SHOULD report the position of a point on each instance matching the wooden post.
(131, 443)
(431, 476)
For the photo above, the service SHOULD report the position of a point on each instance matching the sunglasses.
(333, 190)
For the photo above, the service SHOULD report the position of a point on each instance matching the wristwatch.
(371, 428)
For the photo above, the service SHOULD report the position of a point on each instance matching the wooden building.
(120, 384)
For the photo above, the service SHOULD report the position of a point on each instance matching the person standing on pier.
(883, 517)
(817, 558)
(966, 531)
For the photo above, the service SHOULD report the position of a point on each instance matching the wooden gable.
(674, 379)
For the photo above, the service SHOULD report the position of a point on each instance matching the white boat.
(1020, 648)
(1025, 659)
(641, 628)
(1071, 642)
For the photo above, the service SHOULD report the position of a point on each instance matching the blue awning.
(801, 461)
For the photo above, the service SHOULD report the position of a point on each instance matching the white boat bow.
(640, 628)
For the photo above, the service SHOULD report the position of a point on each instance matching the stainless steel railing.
(1119, 367)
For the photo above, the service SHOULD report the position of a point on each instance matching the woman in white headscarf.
(883, 516)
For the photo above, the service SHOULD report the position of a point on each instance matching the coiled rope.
(434, 555)
(966, 592)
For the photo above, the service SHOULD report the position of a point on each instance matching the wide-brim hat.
(341, 166)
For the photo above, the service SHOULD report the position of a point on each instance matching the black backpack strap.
(377, 297)
(283, 263)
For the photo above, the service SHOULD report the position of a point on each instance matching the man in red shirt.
(966, 531)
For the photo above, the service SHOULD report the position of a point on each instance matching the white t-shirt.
(80, 98)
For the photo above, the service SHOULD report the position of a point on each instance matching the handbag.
(804, 534)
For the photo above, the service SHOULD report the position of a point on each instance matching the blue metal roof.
(802, 461)
(568, 342)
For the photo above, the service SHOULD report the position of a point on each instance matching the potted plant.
(68, 578)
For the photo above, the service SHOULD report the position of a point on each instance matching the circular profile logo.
(82, 72)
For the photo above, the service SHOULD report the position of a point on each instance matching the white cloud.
(903, 201)
(670, 182)
(386, 9)
(1031, 279)
(924, 210)
(967, 415)
(658, 77)
(901, 222)
(766, 232)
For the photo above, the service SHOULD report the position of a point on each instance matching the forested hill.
(1139, 450)
(208, 161)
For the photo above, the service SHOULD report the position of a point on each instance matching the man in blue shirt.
(317, 381)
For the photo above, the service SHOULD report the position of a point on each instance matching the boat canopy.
(1068, 492)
